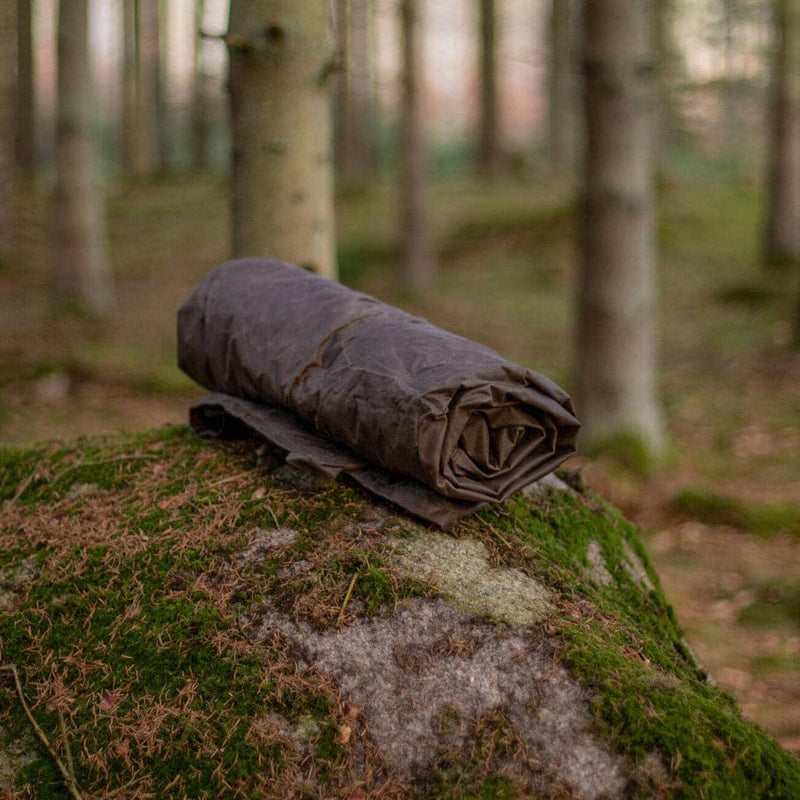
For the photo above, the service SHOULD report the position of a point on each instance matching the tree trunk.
(416, 257)
(199, 100)
(730, 115)
(25, 137)
(783, 205)
(280, 59)
(668, 68)
(152, 81)
(616, 336)
(563, 82)
(140, 78)
(488, 144)
(354, 101)
(81, 269)
(8, 88)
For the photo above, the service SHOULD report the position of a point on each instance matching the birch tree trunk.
(81, 270)
(354, 101)
(25, 135)
(563, 80)
(8, 67)
(783, 205)
(616, 335)
(488, 143)
(416, 257)
(280, 58)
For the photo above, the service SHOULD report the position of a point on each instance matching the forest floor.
(721, 513)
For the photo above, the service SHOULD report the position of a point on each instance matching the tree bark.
(416, 256)
(81, 270)
(488, 144)
(563, 80)
(354, 100)
(616, 334)
(199, 100)
(730, 115)
(8, 88)
(280, 59)
(668, 67)
(140, 79)
(25, 137)
(152, 80)
(783, 204)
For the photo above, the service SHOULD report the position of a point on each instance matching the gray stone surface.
(598, 571)
(428, 675)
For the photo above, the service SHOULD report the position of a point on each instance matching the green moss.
(374, 586)
(627, 647)
(491, 787)
(777, 603)
(715, 509)
(628, 450)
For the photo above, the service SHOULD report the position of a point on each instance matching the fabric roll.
(423, 412)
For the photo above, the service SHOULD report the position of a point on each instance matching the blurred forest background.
(462, 135)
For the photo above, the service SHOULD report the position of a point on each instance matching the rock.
(297, 639)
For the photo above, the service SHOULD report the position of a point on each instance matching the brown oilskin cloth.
(342, 382)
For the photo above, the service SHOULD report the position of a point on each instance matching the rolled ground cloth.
(343, 382)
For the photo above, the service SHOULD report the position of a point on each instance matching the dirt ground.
(730, 562)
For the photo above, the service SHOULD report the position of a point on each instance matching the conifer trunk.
(354, 100)
(81, 269)
(140, 94)
(488, 145)
(416, 257)
(8, 56)
(152, 80)
(25, 137)
(199, 100)
(562, 85)
(616, 338)
(280, 58)
(783, 205)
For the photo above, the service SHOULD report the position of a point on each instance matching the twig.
(347, 598)
(69, 779)
(20, 490)
(223, 481)
(65, 740)
(125, 457)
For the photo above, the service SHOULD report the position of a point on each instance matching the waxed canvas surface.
(343, 382)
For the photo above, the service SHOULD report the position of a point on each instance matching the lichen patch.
(459, 568)
(264, 542)
(636, 570)
(598, 571)
(426, 702)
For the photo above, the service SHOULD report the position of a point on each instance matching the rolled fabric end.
(395, 391)
(496, 438)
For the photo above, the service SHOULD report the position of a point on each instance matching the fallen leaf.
(343, 737)
(109, 702)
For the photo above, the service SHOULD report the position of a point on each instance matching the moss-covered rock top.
(192, 619)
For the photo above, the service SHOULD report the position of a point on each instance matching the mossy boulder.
(195, 620)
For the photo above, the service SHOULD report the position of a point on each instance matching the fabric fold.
(425, 413)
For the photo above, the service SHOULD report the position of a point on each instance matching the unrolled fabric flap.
(222, 416)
